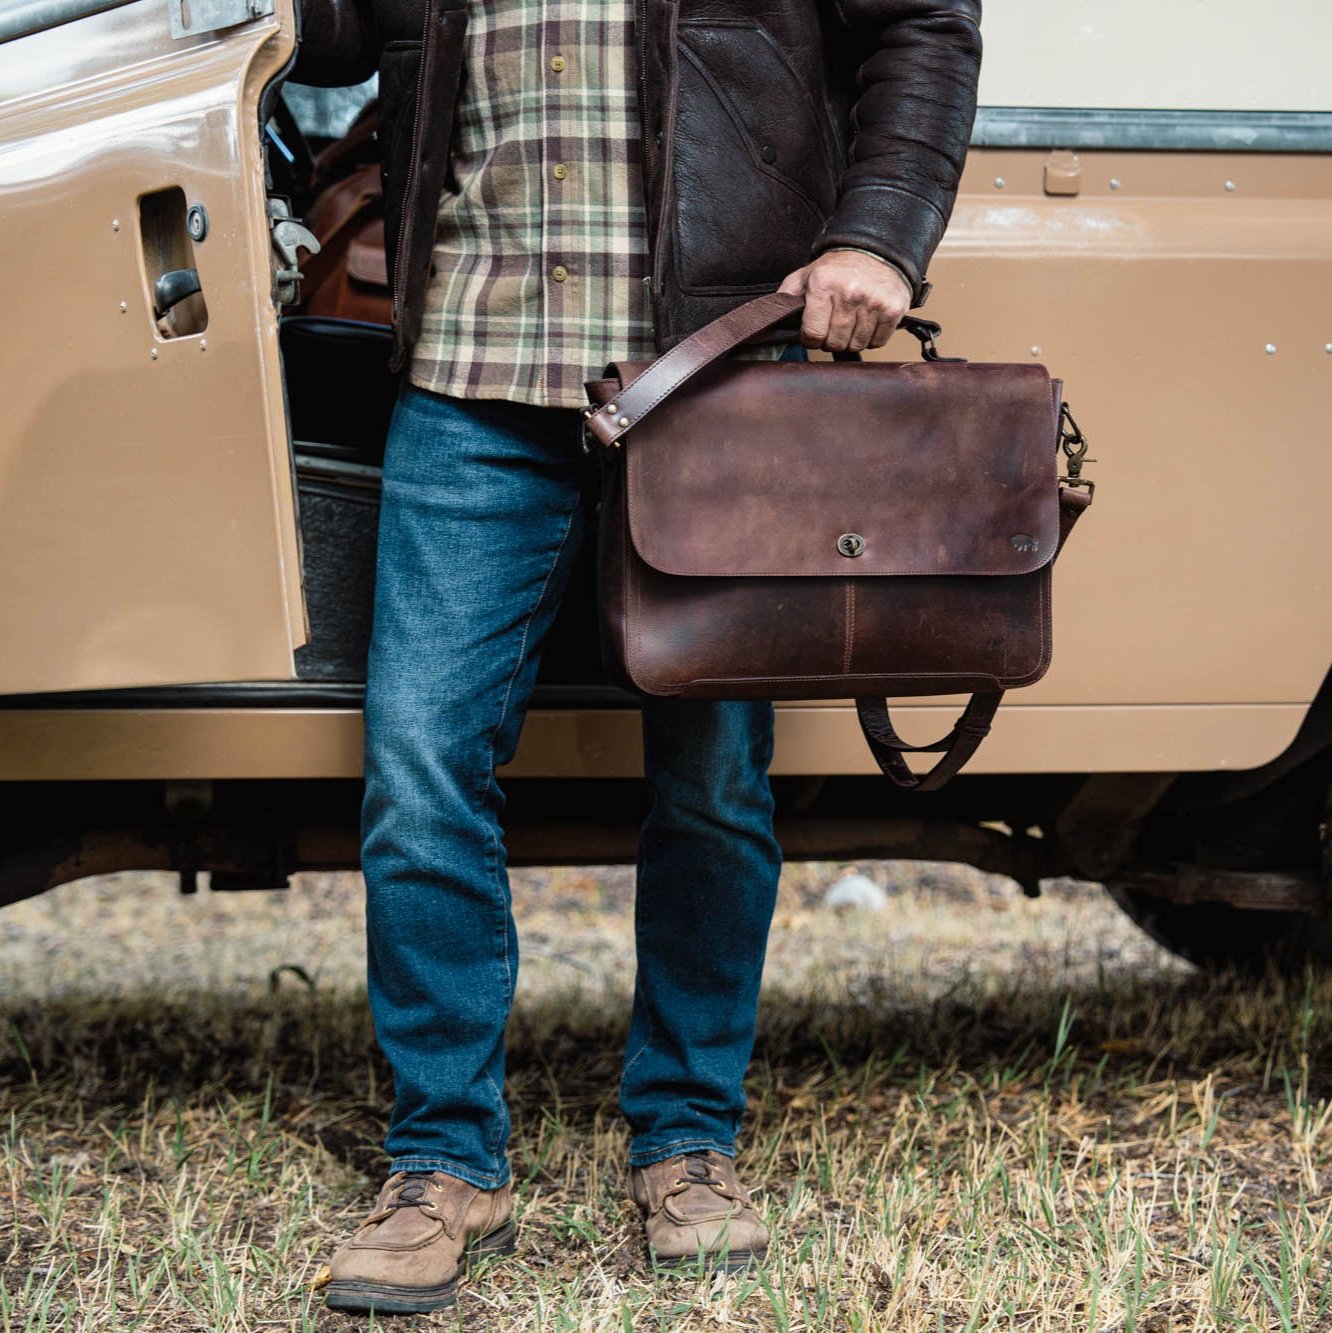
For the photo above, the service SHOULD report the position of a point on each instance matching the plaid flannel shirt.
(541, 255)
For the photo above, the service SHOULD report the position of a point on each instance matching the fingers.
(867, 321)
(883, 331)
(842, 326)
(849, 327)
(852, 302)
(817, 323)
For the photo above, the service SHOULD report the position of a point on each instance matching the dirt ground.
(968, 1111)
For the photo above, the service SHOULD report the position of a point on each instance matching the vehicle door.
(148, 528)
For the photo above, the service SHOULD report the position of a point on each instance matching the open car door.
(148, 531)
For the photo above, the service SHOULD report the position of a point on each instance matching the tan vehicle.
(188, 481)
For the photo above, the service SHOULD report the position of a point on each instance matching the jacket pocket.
(753, 176)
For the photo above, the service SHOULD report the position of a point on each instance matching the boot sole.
(687, 1265)
(381, 1298)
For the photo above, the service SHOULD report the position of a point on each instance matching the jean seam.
(665, 1151)
(425, 1162)
(493, 839)
(637, 1056)
(496, 1137)
(489, 780)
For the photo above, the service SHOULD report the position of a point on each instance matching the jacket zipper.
(655, 244)
(640, 31)
(408, 203)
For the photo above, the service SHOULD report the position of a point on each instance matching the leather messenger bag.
(815, 530)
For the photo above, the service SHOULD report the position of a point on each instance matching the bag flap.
(848, 469)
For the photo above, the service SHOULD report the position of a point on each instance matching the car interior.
(340, 397)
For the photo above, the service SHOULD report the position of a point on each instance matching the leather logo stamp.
(1024, 541)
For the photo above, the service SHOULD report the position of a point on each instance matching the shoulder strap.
(670, 370)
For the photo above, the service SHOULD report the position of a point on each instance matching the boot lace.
(698, 1171)
(410, 1194)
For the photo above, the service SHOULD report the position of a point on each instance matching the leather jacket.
(772, 130)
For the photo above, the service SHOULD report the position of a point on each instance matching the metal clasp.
(589, 441)
(1074, 444)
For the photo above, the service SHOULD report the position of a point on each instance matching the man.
(569, 182)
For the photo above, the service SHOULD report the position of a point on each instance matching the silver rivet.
(1035, 351)
(115, 224)
(1230, 185)
(1327, 347)
(623, 421)
(612, 408)
(203, 344)
(152, 351)
(124, 306)
(999, 182)
(1114, 182)
(1270, 349)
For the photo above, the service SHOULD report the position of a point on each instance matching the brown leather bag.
(811, 530)
(348, 278)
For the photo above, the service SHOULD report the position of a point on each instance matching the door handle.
(173, 287)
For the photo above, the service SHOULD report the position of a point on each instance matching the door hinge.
(190, 18)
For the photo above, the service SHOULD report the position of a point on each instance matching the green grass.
(968, 1112)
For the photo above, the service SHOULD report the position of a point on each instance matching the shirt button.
(557, 63)
(559, 273)
(559, 171)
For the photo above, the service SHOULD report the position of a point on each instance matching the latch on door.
(189, 18)
(175, 292)
(289, 236)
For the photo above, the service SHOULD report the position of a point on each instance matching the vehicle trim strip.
(1209, 131)
(24, 17)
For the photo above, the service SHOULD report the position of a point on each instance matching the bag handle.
(973, 726)
(957, 747)
(670, 370)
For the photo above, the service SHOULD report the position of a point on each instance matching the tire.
(1214, 936)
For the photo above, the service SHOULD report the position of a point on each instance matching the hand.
(852, 301)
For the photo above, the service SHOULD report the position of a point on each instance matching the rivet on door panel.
(175, 295)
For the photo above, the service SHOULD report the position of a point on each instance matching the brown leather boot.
(406, 1256)
(694, 1206)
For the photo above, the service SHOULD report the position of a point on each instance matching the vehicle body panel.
(147, 519)
(114, 744)
(1185, 297)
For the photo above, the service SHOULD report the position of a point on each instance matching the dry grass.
(968, 1112)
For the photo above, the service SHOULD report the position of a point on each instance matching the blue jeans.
(480, 526)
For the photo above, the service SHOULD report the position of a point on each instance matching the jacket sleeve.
(914, 101)
(338, 46)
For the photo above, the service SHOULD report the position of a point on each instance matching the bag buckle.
(1074, 444)
(587, 441)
